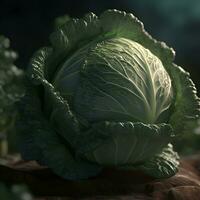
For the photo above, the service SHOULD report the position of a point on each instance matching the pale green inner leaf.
(122, 80)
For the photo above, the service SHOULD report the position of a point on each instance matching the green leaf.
(129, 143)
(54, 102)
(29, 125)
(80, 140)
(74, 34)
(121, 80)
(67, 78)
(62, 161)
(38, 67)
(11, 85)
(56, 108)
(121, 24)
(163, 165)
(186, 109)
(186, 103)
(39, 141)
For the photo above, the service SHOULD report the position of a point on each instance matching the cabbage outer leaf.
(130, 143)
(40, 142)
(163, 165)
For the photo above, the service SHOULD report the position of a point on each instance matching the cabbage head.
(105, 94)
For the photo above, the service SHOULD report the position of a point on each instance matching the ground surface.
(110, 185)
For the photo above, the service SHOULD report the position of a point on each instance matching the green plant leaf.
(121, 80)
(11, 84)
(29, 124)
(162, 165)
(186, 110)
(40, 142)
(128, 142)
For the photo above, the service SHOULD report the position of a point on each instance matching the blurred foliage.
(11, 89)
(189, 143)
(15, 192)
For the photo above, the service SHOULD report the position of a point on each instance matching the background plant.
(11, 89)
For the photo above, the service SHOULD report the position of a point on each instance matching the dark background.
(177, 22)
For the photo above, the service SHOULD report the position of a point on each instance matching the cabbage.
(105, 94)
